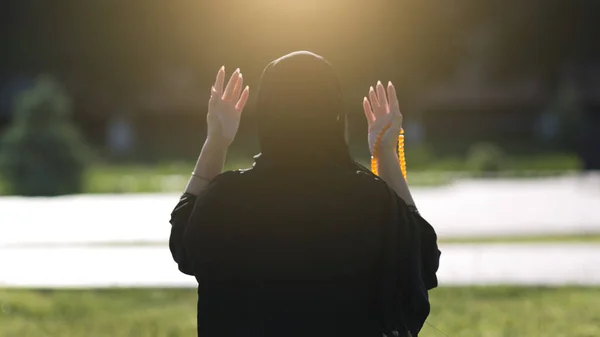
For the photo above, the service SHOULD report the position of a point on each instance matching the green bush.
(567, 105)
(485, 158)
(419, 156)
(42, 152)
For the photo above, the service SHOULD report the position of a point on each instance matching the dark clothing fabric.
(286, 252)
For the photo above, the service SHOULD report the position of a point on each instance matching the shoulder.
(363, 175)
(225, 182)
(370, 184)
(232, 175)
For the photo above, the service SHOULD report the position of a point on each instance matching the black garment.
(300, 112)
(281, 252)
(296, 246)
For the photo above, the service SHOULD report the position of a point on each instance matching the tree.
(42, 152)
(567, 107)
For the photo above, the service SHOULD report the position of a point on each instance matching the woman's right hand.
(383, 115)
(225, 108)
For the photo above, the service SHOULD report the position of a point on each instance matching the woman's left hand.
(383, 115)
(225, 108)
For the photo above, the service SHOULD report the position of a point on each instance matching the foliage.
(42, 152)
(485, 157)
(567, 106)
(419, 156)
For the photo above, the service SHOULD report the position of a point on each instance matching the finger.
(231, 85)
(392, 98)
(383, 104)
(368, 111)
(219, 81)
(243, 99)
(237, 90)
(374, 102)
(213, 95)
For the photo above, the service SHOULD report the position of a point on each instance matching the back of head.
(300, 111)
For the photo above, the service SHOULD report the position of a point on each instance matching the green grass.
(456, 312)
(172, 177)
(137, 178)
(144, 179)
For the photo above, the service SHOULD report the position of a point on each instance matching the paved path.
(466, 208)
(514, 264)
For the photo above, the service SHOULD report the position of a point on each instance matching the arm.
(390, 172)
(179, 220)
(385, 122)
(209, 165)
(428, 248)
(223, 118)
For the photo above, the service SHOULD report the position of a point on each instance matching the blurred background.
(103, 113)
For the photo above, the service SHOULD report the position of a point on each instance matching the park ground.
(171, 176)
(466, 311)
(456, 312)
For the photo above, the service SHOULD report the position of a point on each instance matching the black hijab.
(301, 118)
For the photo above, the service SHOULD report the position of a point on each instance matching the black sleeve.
(179, 222)
(195, 216)
(420, 260)
(429, 251)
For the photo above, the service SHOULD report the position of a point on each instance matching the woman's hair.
(300, 112)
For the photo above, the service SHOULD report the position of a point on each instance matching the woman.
(306, 242)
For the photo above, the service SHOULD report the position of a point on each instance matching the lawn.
(456, 312)
(172, 176)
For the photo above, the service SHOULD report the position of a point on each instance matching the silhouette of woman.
(306, 242)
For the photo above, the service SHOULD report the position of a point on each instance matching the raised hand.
(383, 115)
(225, 107)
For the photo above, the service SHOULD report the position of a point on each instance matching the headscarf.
(300, 112)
